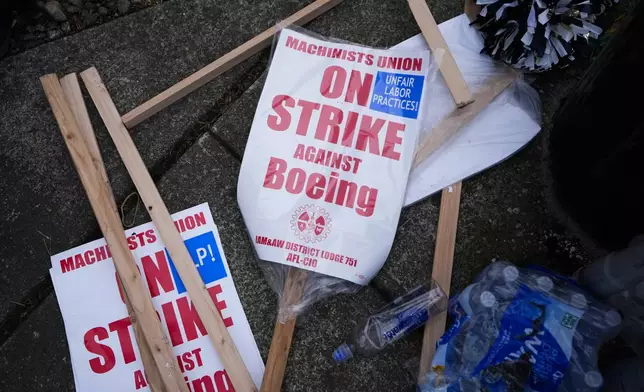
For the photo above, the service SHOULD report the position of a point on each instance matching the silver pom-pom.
(536, 35)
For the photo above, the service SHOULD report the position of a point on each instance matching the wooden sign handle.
(283, 333)
(441, 270)
(203, 303)
(442, 54)
(174, 93)
(101, 199)
(74, 96)
(448, 216)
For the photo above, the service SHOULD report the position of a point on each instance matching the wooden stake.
(283, 333)
(202, 301)
(223, 64)
(460, 117)
(100, 198)
(74, 96)
(441, 270)
(444, 58)
(451, 197)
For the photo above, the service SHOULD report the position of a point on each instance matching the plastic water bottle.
(393, 321)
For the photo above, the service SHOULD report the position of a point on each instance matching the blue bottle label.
(407, 321)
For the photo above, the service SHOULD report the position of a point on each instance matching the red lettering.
(122, 329)
(347, 191)
(203, 384)
(200, 219)
(186, 360)
(311, 49)
(89, 257)
(100, 253)
(139, 380)
(190, 319)
(67, 264)
(391, 139)
(157, 273)
(291, 42)
(91, 338)
(282, 121)
(302, 47)
(295, 181)
(150, 236)
(349, 129)
(418, 64)
(78, 261)
(220, 305)
(172, 323)
(131, 242)
(359, 87)
(315, 186)
(333, 81)
(275, 173)
(368, 134)
(305, 117)
(223, 382)
(330, 120)
(197, 353)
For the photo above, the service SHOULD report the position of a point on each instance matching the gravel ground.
(36, 22)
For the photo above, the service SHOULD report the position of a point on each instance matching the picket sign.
(74, 96)
(104, 355)
(99, 196)
(157, 210)
(342, 121)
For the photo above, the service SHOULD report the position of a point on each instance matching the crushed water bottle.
(522, 329)
(393, 321)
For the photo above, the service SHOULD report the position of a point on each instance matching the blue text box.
(205, 254)
(397, 94)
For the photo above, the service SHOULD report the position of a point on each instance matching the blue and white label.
(207, 258)
(397, 94)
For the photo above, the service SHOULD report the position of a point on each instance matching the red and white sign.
(104, 353)
(325, 169)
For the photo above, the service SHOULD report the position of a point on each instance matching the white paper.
(496, 133)
(87, 292)
(299, 209)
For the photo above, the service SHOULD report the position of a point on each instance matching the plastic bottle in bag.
(393, 321)
(522, 329)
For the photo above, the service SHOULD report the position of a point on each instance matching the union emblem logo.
(311, 223)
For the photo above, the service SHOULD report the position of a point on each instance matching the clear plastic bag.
(522, 330)
(325, 169)
(510, 121)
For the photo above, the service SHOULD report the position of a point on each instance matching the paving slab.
(43, 207)
(206, 173)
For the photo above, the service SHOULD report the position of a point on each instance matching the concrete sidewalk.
(193, 150)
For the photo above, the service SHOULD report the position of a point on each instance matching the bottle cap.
(613, 318)
(545, 283)
(488, 299)
(594, 379)
(342, 353)
(510, 273)
(578, 300)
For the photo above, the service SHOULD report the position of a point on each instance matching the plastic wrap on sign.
(522, 329)
(325, 168)
(498, 131)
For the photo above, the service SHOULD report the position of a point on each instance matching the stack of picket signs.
(104, 352)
